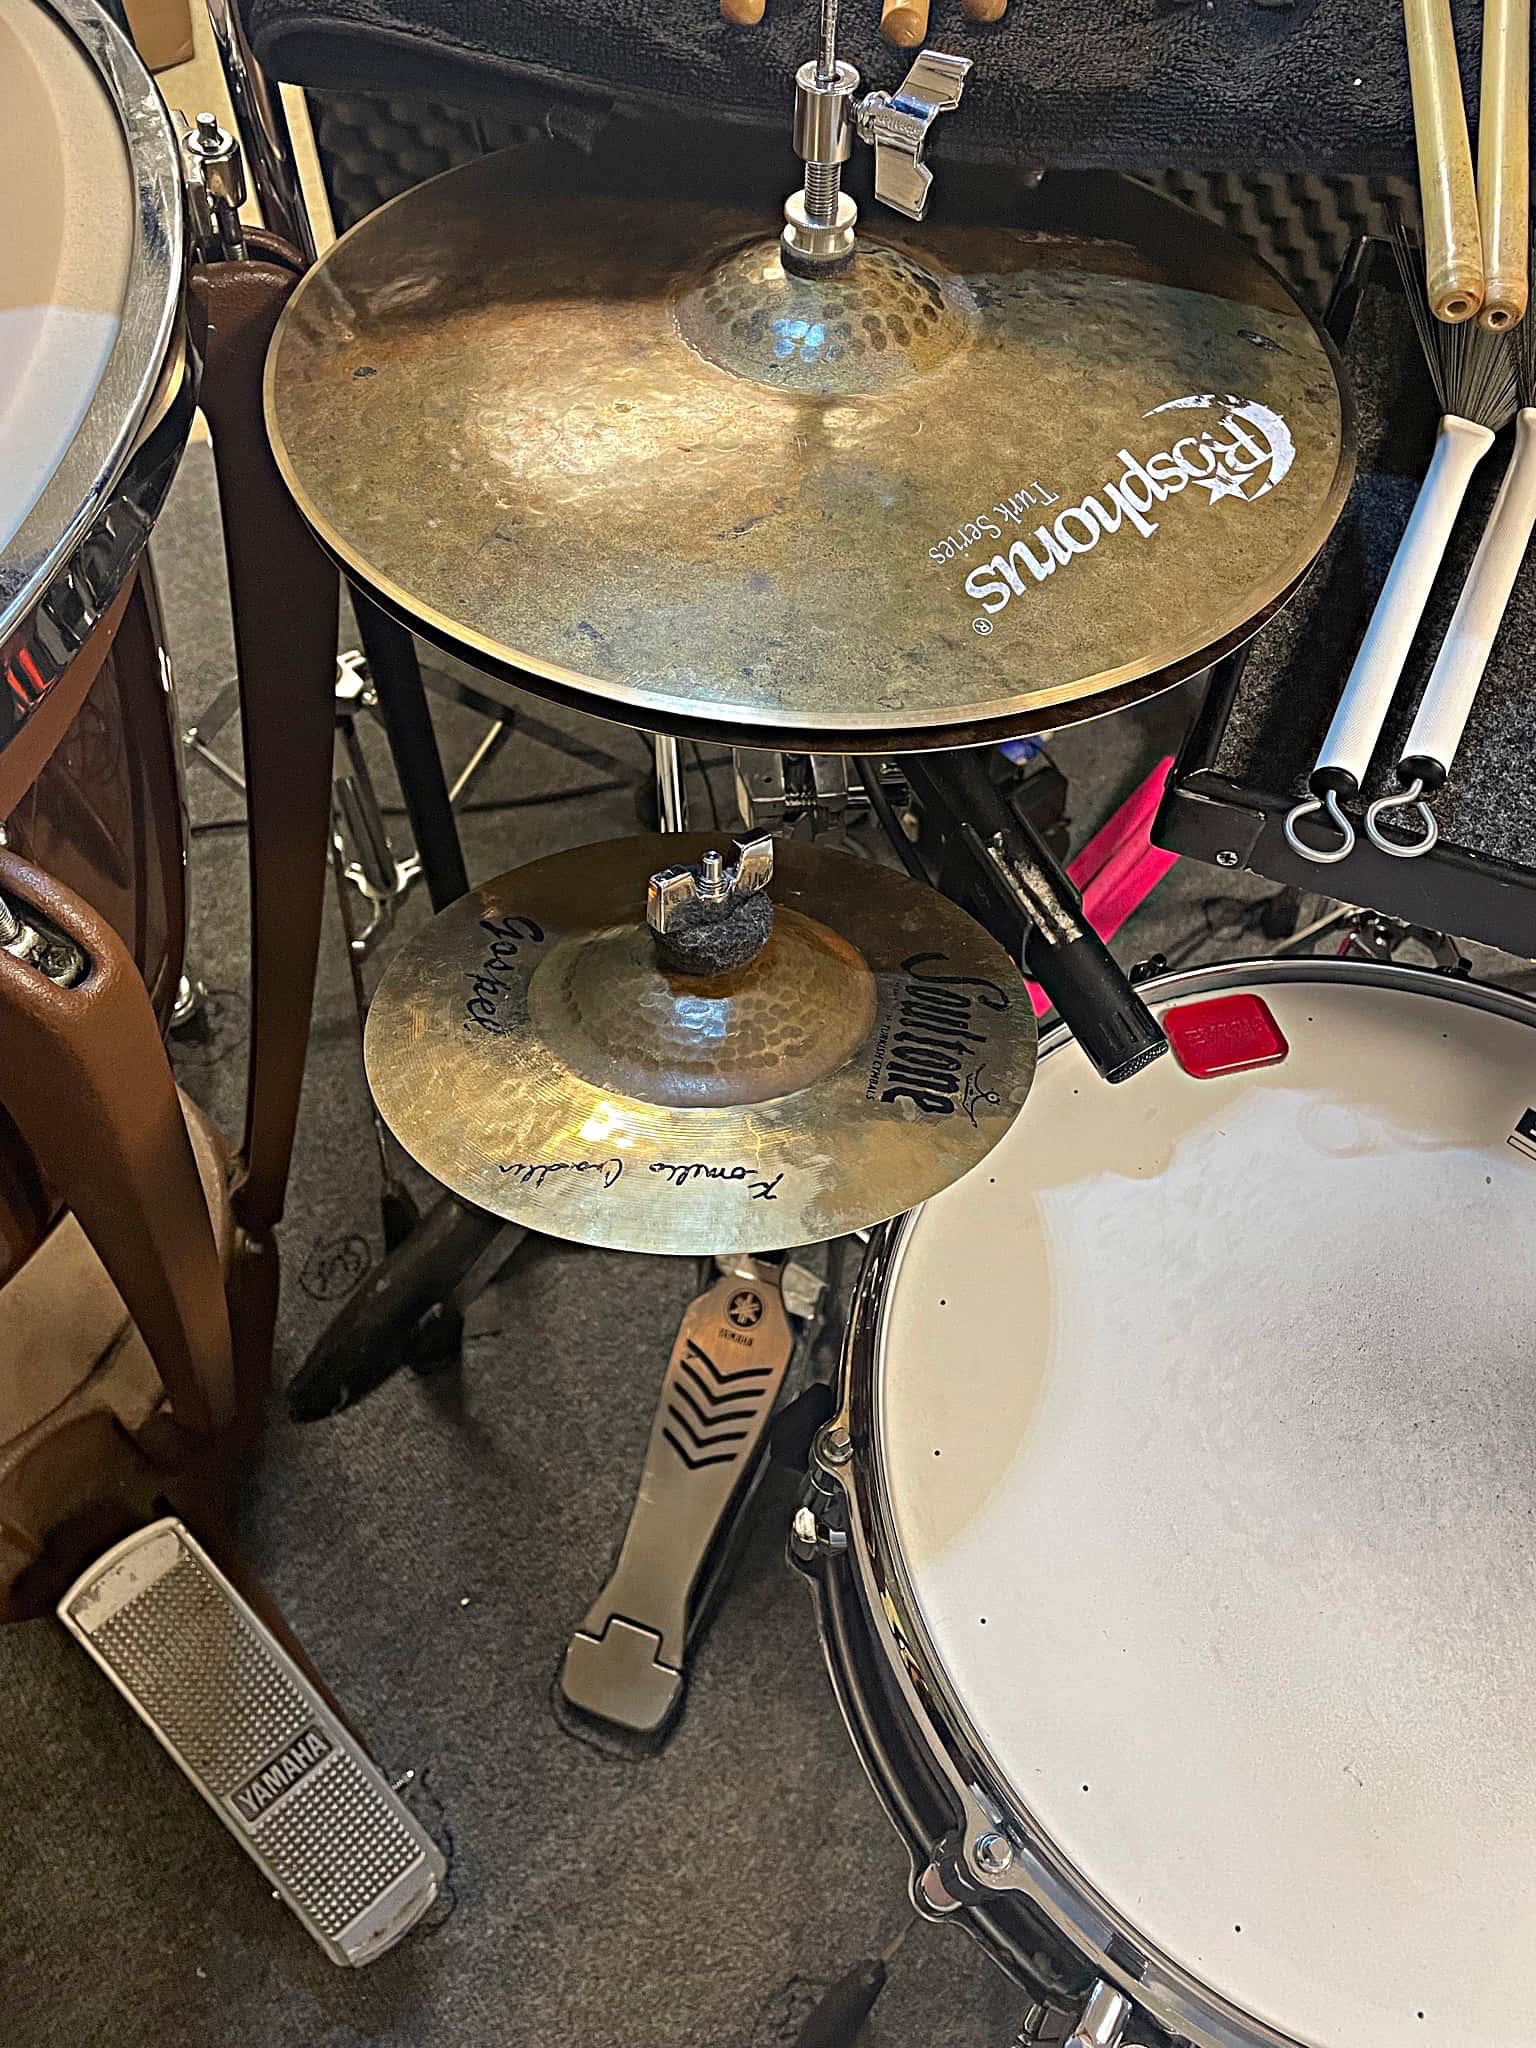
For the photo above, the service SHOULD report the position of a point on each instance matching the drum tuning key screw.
(819, 219)
(215, 174)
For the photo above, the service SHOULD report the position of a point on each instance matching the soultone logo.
(1245, 456)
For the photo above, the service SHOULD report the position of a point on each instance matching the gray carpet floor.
(435, 1546)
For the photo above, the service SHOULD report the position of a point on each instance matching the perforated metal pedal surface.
(236, 1713)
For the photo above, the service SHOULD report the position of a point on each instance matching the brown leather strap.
(84, 1076)
(283, 592)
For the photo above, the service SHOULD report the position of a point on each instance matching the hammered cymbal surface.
(528, 1050)
(992, 477)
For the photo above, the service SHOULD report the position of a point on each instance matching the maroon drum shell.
(106, 816)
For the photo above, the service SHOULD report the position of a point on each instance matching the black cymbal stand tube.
(1019, 879)
(396, 675)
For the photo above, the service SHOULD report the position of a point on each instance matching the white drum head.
(1207, 1418)
(67, 203)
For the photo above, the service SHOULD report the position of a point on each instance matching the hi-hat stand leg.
(626, 1663)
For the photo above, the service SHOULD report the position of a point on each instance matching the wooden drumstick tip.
(984, 10)
(1454, 299)
(1503, 307)
(904, 22)
(742, 13)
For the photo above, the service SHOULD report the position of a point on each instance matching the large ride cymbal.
(988, 480)
(527, 1048)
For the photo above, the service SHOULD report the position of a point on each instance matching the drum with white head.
(95, 396)
(1175, 1542)
(97, 391)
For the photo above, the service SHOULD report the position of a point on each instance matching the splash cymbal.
(529, 1049)
(988, 480)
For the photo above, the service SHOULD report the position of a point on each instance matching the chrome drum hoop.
(74, 551)
(860, 1574)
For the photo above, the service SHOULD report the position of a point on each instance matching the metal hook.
(1325, 856)
(1411, 797)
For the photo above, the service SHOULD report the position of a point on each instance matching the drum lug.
(811, 1537)
(215, 183)
(1103, 2019)
(931, 1894)
(818, 1530)
(966, 1867)
(1100, 2024)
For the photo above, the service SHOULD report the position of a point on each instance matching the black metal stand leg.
(402, 698)
(409, 1311)
(448, 1252)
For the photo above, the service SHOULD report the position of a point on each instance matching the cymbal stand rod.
(826, 54)
(671, 797)
(824, 181)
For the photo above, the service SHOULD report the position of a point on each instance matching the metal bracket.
(58, 959)
(775, 790)
(215, 178)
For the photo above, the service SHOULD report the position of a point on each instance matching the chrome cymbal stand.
(671, 797)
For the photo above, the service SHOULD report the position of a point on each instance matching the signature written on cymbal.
(539, 1174)
(759, 1189)
(526, 1176)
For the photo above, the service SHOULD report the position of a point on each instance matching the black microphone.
(1024, 885)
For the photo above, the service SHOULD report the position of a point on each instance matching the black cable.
(1243, 916)
(491, 804)
(880, 804)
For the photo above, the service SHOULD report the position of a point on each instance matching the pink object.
(1119, 867)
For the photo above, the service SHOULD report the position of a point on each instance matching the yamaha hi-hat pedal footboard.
(286, 1777)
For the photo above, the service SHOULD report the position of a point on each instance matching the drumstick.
(985, 10)
(904, 22)
(1453, 248)
(1503, 159)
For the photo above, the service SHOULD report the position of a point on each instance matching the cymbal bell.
(530, 1049)
(987, 480)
